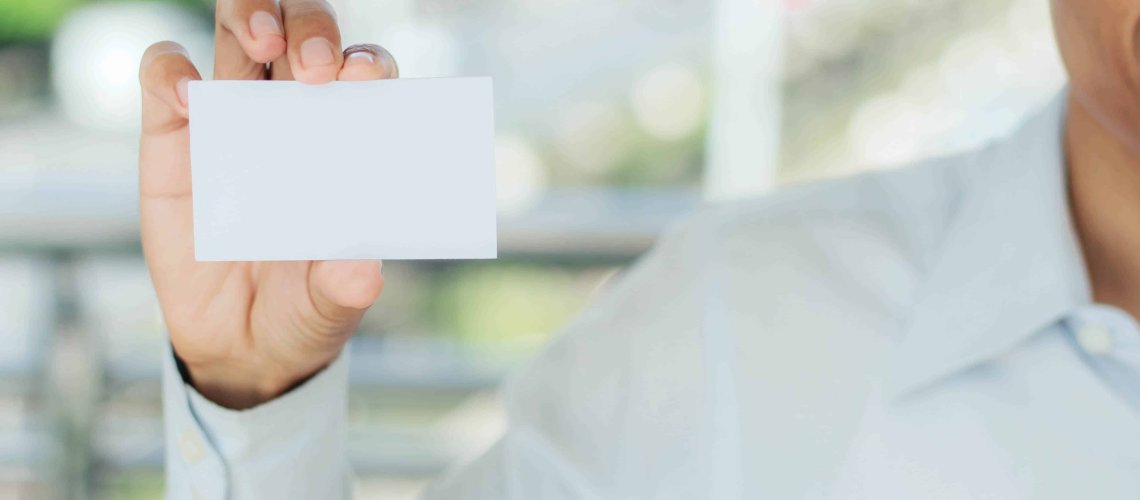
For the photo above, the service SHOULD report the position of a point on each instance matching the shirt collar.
(1010, 263)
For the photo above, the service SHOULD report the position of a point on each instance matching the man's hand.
(247, 331)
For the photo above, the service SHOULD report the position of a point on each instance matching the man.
(959, 329)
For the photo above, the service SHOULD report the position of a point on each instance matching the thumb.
(342, 290)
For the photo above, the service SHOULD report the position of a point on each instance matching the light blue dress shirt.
(924, 332)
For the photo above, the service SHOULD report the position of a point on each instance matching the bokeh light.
(96, 53)
(592, 137)
(521, 175)
(669, 101)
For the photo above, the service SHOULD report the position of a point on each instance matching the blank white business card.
(389, 169)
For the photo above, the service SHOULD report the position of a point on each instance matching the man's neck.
(1104, 192)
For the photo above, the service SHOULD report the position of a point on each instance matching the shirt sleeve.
(290, 448)
(626, 402)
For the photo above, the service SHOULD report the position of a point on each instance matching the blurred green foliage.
(142, 484)
(660, 163)
(35, 20)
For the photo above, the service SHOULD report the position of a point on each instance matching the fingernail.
(317, 52)
(393, 69)
(262, 24)
(183, 90)
(361, 57)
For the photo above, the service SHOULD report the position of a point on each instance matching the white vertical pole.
(742, 150)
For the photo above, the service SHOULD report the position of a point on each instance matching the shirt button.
(1094, 340)
(191, 447)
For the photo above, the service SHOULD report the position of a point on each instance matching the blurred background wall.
(613, 119)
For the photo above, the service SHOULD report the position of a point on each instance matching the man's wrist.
(237, 386)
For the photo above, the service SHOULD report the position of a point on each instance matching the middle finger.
(313, 54)
(248, 34)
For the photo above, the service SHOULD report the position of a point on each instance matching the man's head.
(1100, 44)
